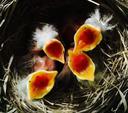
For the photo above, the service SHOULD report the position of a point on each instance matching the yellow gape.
(40, 83)
(87, 38)
(54, 49)
(81, 65)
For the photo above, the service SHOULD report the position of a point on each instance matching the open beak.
(81, 65)
(87, 38)
(54, 49)
(40, 83)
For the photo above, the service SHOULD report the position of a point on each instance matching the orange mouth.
(81, 65)
(55, 50)
(87, 38)
(40, 83)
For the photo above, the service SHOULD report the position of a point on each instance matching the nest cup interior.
(66, 16)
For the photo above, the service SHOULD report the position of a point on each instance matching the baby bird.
(45, 39)
(40, 83)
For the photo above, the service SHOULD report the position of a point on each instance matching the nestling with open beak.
(87, 38)
(40, 83)
(81, 65)
(45, 39)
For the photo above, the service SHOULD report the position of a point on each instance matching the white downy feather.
(100, 22)
(41, 36)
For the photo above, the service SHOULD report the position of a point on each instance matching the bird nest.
(108, 92)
